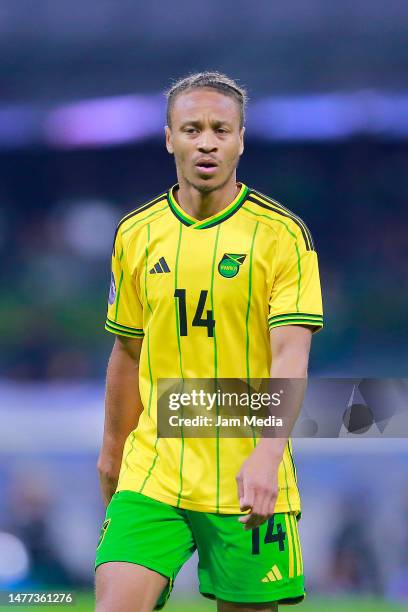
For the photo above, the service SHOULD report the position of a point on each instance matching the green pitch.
(85, 603)
(312, 605)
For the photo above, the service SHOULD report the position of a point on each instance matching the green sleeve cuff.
(296, 318)
(123, 330)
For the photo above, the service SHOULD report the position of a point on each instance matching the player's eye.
(190, 130)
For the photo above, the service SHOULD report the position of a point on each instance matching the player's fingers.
(248, 518)
(245, 518)
(256, 517)
(255, 520)
(240, 486)
(248, 521)
(247, 500)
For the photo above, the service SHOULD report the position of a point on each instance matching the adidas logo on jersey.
(160, 267)
(273, 575)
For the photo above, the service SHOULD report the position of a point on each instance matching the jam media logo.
(229, 264)
(112, 290)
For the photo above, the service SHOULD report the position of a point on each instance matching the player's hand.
(108, 471)
(257, 483)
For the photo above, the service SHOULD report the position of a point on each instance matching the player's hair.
(212, 80)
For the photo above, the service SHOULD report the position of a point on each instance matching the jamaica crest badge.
(230, 264)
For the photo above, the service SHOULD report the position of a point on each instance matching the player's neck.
(203, 205)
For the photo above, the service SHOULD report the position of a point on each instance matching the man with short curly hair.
(210, 280)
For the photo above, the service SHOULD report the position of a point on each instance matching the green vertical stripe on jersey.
(148, 327)
(217, 235)
(146, 260)
(247, 317)
(293, 544)
(296, 542)
(249, 299)
(296, 247)
(132, 439)
(133, 434)
(181, 464)
(180, 357)
(125, 460)
(299, 276)
(293, 464)
(175, 299)
(119, 288)
(149, 362)
(290, 510)
(286, 478)
(151, 467)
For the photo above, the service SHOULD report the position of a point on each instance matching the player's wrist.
(272, 448)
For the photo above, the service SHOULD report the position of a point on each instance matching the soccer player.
(210, 279)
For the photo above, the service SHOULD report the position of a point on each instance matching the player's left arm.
(295, 312)
(258, 477)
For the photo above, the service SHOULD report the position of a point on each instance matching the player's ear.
(169, 143)
(241, 138)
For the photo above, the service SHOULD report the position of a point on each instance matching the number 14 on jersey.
(198, 320)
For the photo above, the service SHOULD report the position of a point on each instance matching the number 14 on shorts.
(270, 536)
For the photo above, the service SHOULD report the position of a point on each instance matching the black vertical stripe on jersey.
(158, 268)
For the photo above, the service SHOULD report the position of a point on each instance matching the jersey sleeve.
(296, 297)
(125, 311)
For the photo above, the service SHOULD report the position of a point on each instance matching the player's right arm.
(123, 407)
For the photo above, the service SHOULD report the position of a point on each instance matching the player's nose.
(207, 142)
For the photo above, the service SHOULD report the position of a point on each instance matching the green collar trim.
(219, 217)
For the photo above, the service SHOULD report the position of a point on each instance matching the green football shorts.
(258, 565)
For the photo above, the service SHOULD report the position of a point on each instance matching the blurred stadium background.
(81, 144)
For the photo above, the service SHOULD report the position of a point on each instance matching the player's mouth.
(206, 166)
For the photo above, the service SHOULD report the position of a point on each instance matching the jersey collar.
(219, 217)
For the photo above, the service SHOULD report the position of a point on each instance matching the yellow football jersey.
(250, 267)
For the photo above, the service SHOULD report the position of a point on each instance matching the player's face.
(205, 138)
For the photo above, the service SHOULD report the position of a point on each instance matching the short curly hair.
(213, 80)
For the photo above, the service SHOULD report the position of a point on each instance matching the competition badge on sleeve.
(112, 290)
